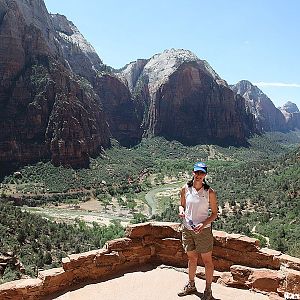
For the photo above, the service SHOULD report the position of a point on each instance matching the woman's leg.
(209, 268)
(192, 264)
(190, 287)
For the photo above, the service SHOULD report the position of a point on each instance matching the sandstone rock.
(44, 111)
(291, 114)
(265, 280)
(136, 253)
(76, 50)
(55, 280)
(290, 262)
(235, 241)
(77, 260)
(169, 247)
(259, 279)
(274, 296)
(252, 259)
(21, 289)
(115, 97)
(184, 99)
(222, 264)
(292, 284)
(156, 229)
(118, 244)
(227, 280)
(120, 109)
(107, 259)
(150, 244)
(268, 117)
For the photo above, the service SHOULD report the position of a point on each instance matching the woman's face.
(199, 175)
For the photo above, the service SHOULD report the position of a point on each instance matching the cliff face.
(115, 97)
(182, 98)
(45, 112)
(76, 50)
(240, 261)
(291, 114)
(120, 109)
(267, 116)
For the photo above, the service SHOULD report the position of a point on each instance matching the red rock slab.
(157, 229)
(28, 289)
(235, 241)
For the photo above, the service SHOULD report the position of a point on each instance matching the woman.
(196, 199)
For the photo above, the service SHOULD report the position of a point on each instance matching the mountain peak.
(245, 86)
(267, 116)
(178, 55)
(290, 107)
(70, 33)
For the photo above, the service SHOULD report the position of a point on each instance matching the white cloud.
(277, 84)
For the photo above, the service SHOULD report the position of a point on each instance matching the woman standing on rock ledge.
(196, 199)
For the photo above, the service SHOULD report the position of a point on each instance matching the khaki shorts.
(201, 242)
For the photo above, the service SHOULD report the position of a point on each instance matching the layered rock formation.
(45, 112)
(115, 97)
(239, 259)
(267, 116)
(49, 108)
(76, 50)
(183, 98)
(120, 109)
(291, 114)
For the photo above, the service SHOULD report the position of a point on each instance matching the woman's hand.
(199, 228)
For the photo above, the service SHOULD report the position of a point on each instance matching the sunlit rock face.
(267, 116)
(181, 97)
(115, 97)
(292, 115)
(45, 111)
(77, 51)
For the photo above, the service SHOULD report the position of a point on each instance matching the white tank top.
(196, 206)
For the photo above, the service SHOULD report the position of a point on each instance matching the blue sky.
(256, 40)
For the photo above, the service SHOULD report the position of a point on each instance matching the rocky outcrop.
(267, 116)
(291, 114)
(131, 73)
(76, 50)
(45, 111)
(48, 114)
(10, 260)
(242, 262)
(116, 100)
(184, 99)
(53, 90)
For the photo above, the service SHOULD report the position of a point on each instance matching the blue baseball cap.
(200, 166)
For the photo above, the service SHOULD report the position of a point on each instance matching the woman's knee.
(208, 263)
(192, 256)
